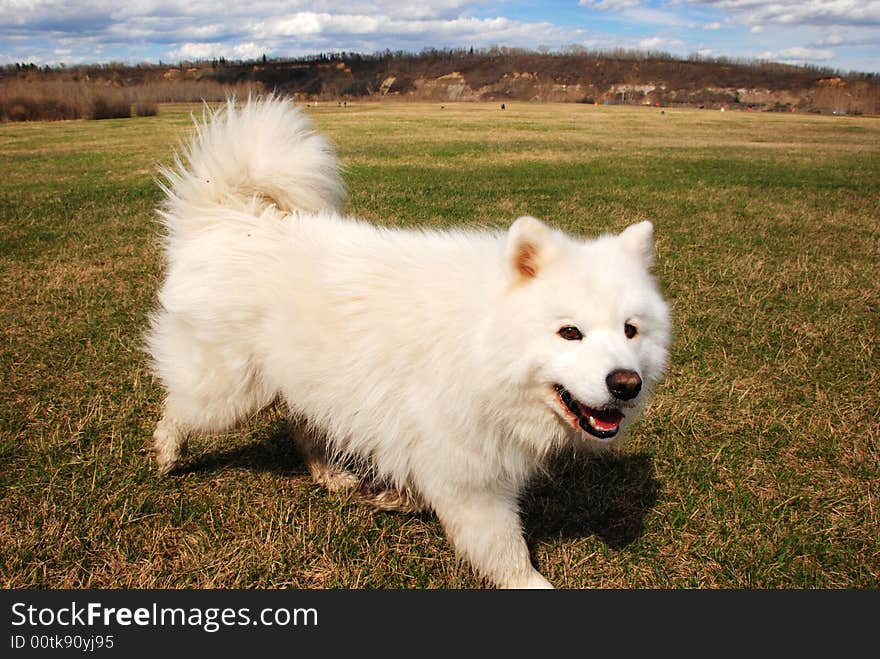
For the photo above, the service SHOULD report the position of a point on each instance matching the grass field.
(757, 465)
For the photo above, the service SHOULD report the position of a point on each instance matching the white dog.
(450, 364)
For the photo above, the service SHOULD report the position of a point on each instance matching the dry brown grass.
(51, 100)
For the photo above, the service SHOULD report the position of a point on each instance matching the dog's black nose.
(624, 384)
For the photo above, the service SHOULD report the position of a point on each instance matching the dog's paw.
(390, 499)
(169, 447)
(533, 581)
(333, 479)
(167, 460)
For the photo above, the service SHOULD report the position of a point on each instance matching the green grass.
(757, 464)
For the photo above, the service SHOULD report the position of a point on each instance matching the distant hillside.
(501, 74)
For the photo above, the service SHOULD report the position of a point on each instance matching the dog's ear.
(638, 240)
(529, 246)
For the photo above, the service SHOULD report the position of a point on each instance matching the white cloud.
(301, 24)
(712, 26)
(194, 51)
(305, 24)
(800, 12)
(798, 54)
(635, 12)
(203, 51)
(832, 40)
(850, 38)
(610, 5)
(321, 31)
(660, 43)
(28, 11)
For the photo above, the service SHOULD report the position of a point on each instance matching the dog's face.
(590, 322)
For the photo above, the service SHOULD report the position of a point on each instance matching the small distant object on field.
(145, 108)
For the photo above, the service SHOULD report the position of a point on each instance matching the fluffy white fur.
(432, 357)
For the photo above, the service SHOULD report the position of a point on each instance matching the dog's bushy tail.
(247, 156)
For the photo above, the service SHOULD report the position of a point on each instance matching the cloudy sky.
(841, 34)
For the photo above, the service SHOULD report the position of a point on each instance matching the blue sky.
(840, 34)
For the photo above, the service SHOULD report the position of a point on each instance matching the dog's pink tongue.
(606, 419)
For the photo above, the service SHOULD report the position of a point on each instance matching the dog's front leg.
(485, 529)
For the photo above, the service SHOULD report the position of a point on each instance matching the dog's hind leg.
(187, 415)
(323, 471)
(209, 388)
(169, 444)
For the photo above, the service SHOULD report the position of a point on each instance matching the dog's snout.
(624, 384)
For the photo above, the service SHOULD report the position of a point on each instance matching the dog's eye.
(570, 333)
(630, 330)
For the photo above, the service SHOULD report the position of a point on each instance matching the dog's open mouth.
(601, 423)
